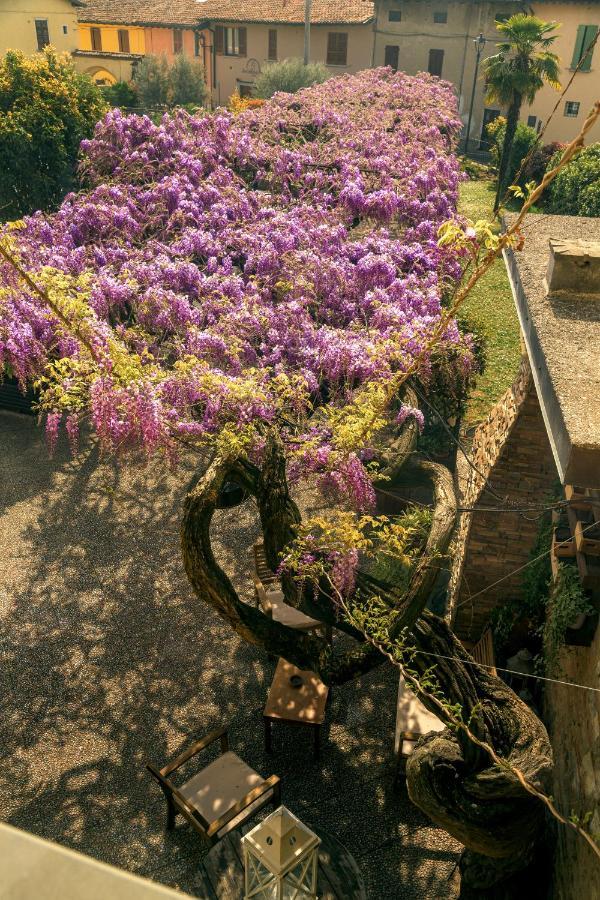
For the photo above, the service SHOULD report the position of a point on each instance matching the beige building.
(29, 25)
(249, 34)
(580, 23)
(439, 37)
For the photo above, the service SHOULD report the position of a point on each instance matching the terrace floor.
(107, 660)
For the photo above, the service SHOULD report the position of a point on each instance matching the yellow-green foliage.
(46, 109)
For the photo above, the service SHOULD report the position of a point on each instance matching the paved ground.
(108, 660)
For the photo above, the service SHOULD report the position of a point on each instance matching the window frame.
(394, 15)
(440, 17)
(96, 38)
(177, 41)
(440, 57)
(123, 38)
(41, 29)
(337, 55)
(568, 105)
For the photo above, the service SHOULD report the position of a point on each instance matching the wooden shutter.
(242, 42)
(219, 39)
(589, 37)
(272, 51)
(177, 40)
(123, 40)
(436, 62)
(96, 37)
(337, 48)
(41, 33)
(391, 56)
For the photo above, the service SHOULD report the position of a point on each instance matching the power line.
(468, 662)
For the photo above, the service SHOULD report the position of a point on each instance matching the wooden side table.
(303, 705)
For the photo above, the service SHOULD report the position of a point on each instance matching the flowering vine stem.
(451, 714)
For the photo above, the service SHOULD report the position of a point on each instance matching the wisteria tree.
(258, 289)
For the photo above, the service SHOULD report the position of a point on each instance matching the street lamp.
(480, 43)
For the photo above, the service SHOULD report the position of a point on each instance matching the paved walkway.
(107, 660)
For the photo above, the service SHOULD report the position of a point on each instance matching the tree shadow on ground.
(109, 660)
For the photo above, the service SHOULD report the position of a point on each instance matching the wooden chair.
(270, 598)
(413, 720)
(219, 798)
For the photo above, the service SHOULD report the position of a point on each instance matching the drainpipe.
(307, 9)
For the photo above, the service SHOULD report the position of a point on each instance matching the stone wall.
(573, 717)
(515, 467)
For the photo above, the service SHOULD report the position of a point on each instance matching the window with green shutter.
(586, 35)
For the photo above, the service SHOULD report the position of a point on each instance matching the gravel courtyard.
(108, 660)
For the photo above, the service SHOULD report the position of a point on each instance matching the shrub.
(186, 83)
(525, 138)
(289, 76)
(576, 190)
(46, 109)
(537, 165)
(120, 94)
(151, 80)
(238, 104)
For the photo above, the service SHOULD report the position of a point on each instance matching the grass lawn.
(491, 310)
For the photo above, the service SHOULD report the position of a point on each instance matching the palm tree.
(522, 66)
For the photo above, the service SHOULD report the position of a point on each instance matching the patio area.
(108, 660)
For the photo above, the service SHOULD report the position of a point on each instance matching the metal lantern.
(280, 859)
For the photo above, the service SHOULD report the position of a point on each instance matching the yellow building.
(249, 34)
(29, 25)
(106, 52)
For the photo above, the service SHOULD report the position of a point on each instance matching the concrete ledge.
(33, 868)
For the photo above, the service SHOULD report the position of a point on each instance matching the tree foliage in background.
(576, 191)
(186, 82)
(151, 80)
(46, 110)
(121, 94)
(289, 76)
(523, 141)
(516, 73)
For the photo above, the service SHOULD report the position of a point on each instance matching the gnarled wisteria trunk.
(449, 777)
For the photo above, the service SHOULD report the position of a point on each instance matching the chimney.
(574, 266)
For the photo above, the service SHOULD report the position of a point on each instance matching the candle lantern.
(280, 859)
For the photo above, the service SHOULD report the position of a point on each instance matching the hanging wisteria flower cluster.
(219, 274)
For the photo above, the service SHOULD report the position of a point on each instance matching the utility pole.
(307, 8)
(480, 43)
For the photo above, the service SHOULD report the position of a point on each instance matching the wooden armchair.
(219, 798)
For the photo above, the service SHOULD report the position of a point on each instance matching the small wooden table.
(221, 875)
(304, 705)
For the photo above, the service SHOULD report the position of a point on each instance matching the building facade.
(31, 26)
(246, 36)
(113, 36)
(440, 37)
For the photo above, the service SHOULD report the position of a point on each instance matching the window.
(272, 48)
(41, 33)
(96, 37)
(197, 43)
(440, 17)
(65, 29)
(177, 40)
(391, 56)
(436, 62)
(531, 121)
(245, 89)
(502, 17)
(337, 48)
(230, 41)
(395, 15)
(123, 40)
(572, 108)
(585, 35)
